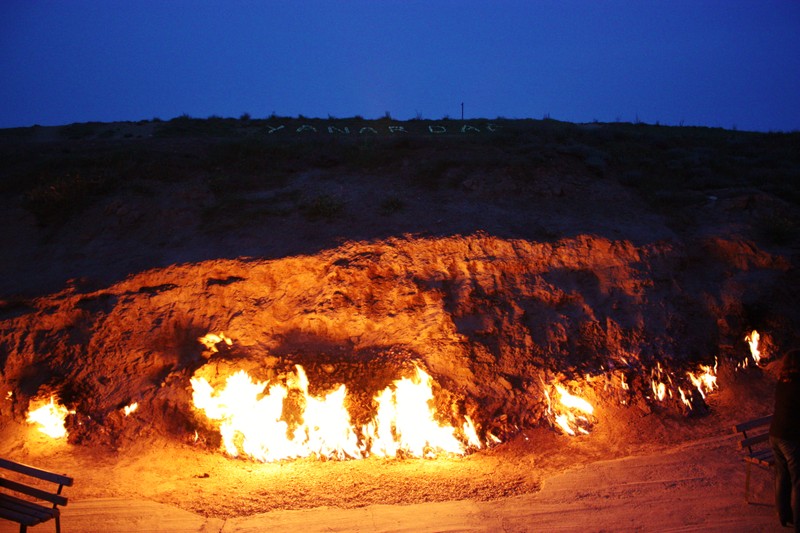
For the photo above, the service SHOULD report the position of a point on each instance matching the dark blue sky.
(728, 63)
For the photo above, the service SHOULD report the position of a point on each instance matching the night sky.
(725, 63)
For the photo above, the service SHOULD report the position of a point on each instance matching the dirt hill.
(503, 257)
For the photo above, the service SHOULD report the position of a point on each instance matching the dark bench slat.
(24, 516)
(15, 507)
(763, 454)
(20, 518)
(750, 441)
(750, 424)
(762, 457)
(36, 472)
(31, 491)
(12, 502)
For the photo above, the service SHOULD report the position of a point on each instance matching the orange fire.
(130, 409)
(705, 379)
(573, 414)
(50, 416)
(684, 399)
(252, 420)
(753, 340)
(405, 422)
(659, 386)
(211, 340)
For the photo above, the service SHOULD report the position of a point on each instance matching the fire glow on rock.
(251, 418)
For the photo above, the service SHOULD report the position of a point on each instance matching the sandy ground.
(696, 486)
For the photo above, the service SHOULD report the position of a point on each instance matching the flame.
(686, 401)
(752, 340)
(405, 422)
(50, 416)
(705, 381)
(573, 413)
(211, 340)
(659, 386)
(574, 402)
(471, 433)
(660, 390)
(253, 422)
(129, 409)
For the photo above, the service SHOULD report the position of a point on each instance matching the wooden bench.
(755, 442)
(28, 511)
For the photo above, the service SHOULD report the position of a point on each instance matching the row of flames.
(251, 420)
(250, 414)
(703, 380)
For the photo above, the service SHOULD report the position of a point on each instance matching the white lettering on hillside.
(435, 129)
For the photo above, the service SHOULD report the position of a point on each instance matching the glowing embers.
(282, 422)
(572, 414)
(50, 416)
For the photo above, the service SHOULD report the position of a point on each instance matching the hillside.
(506, 258)
(102, 194)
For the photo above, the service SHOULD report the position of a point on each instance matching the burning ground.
(553, 298)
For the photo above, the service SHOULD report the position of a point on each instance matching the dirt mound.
(496, 323)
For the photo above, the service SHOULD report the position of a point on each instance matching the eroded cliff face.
(494, 321)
